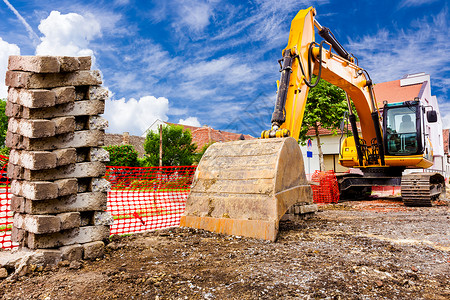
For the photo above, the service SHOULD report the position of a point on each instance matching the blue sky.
(214, 62)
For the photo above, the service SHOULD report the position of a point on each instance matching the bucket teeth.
(245, 187)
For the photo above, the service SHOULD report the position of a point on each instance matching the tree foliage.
(325, 108)
(198, 156)
(122, 155)
(3, 122)
(178, 149)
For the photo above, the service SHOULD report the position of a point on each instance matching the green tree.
(198, 155)
(325, 108)
(178, 149)
(122, 155)
(3, 122)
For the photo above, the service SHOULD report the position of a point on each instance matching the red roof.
(392, 92)
(445, 132)
(324, 131)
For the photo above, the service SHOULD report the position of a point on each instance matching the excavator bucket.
(243, 188)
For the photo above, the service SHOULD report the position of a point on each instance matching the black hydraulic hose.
(310, 55)
(328, 36)
(352, 119)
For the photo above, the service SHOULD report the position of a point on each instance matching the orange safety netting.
(327, 190)
(149, 198)
(6, 215)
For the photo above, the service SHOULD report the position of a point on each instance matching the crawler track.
(420, 189)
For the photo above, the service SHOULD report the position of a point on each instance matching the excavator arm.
(303, 57)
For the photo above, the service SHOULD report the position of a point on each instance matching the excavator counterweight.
(243, 188)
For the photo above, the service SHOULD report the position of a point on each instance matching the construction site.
(250, 221)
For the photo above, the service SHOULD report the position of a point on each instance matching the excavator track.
(421, 189)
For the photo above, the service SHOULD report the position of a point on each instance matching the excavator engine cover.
(243, 188)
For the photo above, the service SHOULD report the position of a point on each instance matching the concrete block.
(93, 250)
(19, 235)
(80, 235)
(65, 156)
(103, 218)
(79, 108)
(69, 220)
(88, 108)
(17, 204)
(80, 202)
(59, 110)
(64, 94)
(15, 172)
(38, 224)
(32, 98)
(98, 154)
(79, 139)
(79, 78)
(97, 123)
(72, 252)
(100, 185)
(32, 128)
(37, 64)
(13, 110)
(33, 160)
(67, 186)
(64, 124)
(98, 93)
(35, 190)
(85, 62)
(44, 257)
(68, 63)
(13, 140)
(78, 170)
(44, 81)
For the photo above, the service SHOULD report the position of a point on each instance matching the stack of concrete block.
(57, 161)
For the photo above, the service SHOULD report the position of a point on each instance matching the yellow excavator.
(243, 188)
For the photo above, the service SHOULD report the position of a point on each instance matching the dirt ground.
(353, 250)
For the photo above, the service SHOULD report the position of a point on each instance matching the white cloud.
(413, 3)
(67, 34)
(195, 14)
(191, 121)
(121, 2)
(421, 48)
(6, 49)
(135, 116)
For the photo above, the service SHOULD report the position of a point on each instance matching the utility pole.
(160, 145)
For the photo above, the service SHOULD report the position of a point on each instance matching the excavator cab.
(404, 129)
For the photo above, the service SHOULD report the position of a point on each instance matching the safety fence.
(326, 190)
(143, 199)
(149, 198)
(6, 215)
